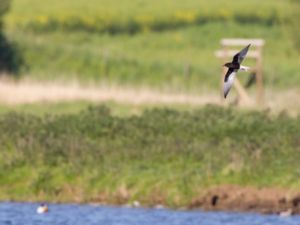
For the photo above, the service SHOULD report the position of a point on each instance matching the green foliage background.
(162, 152)
(149, 43)
(10, 59)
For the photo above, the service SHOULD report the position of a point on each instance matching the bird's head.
(227, 64)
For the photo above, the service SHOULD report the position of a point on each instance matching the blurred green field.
(152, 59)
(138, 15)
(81, 47)
(160, 154)
(42, 109)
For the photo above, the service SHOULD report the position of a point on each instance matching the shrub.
(9, 57)
(163, 149)
(294, 27)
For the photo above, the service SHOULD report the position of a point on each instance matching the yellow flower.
(88, 21)
(144, 21)
(42, 19)
(225, 13)
(186, 16)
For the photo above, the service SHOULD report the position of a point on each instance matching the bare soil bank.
(249, 199)
(230, 198)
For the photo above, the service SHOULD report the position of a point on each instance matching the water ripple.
(72, 214)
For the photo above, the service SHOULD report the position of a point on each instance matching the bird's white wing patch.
(244, 68)
(229, 83)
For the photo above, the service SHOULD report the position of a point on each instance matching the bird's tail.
(244, 68)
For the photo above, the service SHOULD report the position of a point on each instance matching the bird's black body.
(233, 65)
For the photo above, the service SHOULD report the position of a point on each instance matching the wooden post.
(186, 70)
(259, 79)
(242, 92)
(106, 62)
(223, 73)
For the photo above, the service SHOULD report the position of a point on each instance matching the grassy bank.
(160, 156)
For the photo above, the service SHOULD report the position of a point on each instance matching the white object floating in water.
(43, 208)
(136, 204)
(159, 206)
(286, 213)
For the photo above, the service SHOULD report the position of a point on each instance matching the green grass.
(41, 109)
(58, 41)
(162, 152)
(73, 107)
(153, 59)
(134, 16)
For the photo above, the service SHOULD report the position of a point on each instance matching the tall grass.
(166, 153)
(293, 25)
(153, 59)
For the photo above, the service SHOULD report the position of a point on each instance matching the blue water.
(72, 214)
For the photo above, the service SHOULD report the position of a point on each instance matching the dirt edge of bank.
(248, 199)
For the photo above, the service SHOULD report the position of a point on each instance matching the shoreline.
(229, 198)
(267, 200)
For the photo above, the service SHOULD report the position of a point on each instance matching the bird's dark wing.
(239, 57)
(228, 80)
